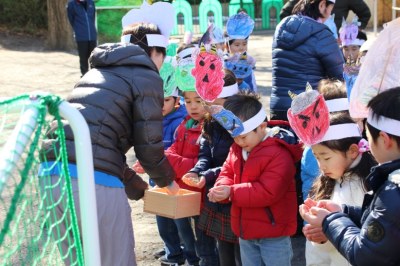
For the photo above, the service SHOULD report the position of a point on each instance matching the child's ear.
(263, 125)
(353, 151)
(388, 142)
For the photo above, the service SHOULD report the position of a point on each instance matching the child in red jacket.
(258, 178)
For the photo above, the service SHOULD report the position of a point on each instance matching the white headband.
(189, 51)
(152, 40)
(341, 131)
(254, 122)
(336, 105)
(229, 91)
(386, 124)
(358, 42)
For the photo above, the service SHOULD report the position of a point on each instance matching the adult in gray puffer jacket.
(303, 50)
(121, 99)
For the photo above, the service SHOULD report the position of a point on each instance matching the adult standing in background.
(303, 50)
(341, 10)
(81, 16)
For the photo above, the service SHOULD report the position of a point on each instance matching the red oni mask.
(309, 117)
(209, 75)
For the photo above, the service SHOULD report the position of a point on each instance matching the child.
(214, 220)
(239, 27)
(334, 93)
(369, 235)
(182, 155)
(351, 40)
(258, 179)
(344, 161)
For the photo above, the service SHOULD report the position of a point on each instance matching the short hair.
(385, 104)
(138, 33)
(309, 8)
(332, 89)
(243, 105)
(229, 77)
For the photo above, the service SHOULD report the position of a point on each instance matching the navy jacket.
(303, 50)
(82, 20)
(370, 235)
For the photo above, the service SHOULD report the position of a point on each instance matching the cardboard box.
(184, 204)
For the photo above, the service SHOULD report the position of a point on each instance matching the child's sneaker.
(171, 261)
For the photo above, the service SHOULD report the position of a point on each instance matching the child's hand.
(190, 179)
(193, 180)
(138, 168)
(219, 193)
(313, 215)
(314, 234)
(329, 205)
(310, 203)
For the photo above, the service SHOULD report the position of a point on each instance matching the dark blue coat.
(82, 20)
(170, 124)
(370, 235)
(303, 50)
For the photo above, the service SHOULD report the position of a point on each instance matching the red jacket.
(263, 190)
(183, 153)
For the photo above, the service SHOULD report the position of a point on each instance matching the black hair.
(323, 185)
(385, 104)
(138, 33)
(361, 35)
(244, 105)
(309, 8)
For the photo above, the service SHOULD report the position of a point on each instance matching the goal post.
(31, 230)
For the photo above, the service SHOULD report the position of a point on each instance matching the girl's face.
(333, 163)
(325, 9)
(238, 46)
(194, 105)
(250, 140)
(351, 51)
(169, 104)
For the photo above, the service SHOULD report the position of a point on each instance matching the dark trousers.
(85, 48)
(229, 253)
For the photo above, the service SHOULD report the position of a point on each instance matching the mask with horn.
(308, 115)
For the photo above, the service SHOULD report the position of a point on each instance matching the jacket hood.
(285, 138)
(119, 54)
(178, 113)
(295, 30)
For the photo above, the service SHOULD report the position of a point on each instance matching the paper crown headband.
(167, 73)
(239, 26)
(232, 123)
(208, 73)
(348, 33)
(152, 14)
(309, 115)
(183, 72)
(239, 65)
(213, 35)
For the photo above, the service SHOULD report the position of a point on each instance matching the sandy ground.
(26, 66)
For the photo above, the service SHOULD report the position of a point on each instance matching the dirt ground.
(28, 66)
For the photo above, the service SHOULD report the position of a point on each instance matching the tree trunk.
(60, 34)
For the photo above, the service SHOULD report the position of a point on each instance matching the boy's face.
(194, 105)
(351, 51)
(250, 140)
(238, 46)
(378, 149)
(169, 104)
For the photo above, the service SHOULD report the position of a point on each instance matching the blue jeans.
(171, 237)
(206, 247)
(266, 251)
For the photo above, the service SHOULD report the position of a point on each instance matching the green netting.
(37, 215)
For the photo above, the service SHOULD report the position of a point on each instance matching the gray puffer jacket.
(121, 98)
